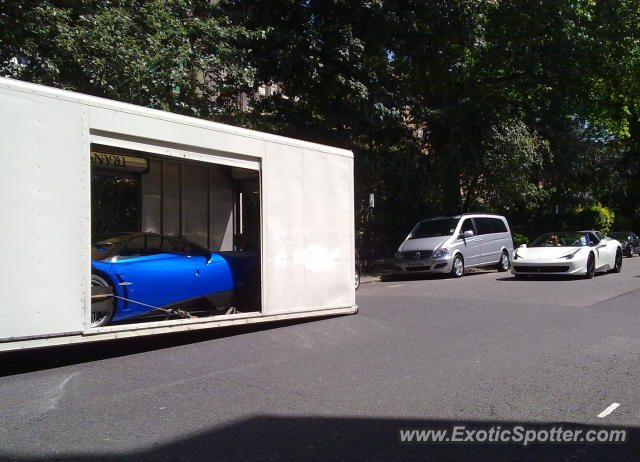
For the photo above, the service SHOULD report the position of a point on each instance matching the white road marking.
(398, 285)
(45, 396)
(609, 410)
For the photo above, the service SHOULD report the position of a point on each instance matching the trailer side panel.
(45, 203)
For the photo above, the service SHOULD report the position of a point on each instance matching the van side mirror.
(467, 234)
(523, 246)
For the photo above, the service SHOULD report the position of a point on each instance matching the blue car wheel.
(102, 313)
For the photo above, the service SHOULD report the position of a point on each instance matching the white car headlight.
(441, 252)
(571, 255)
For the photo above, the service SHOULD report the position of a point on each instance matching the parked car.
(629, 241)
(568, 253)
(452, 244)
(145, 271)
(359, 265)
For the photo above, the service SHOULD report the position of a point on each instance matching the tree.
(511, 106)
(614, 103)
(333, 63)
(177, 56)
(510, 177)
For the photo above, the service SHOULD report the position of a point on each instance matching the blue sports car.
(146, 271)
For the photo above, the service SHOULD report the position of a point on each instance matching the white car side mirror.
(523, 246)
(466, 234)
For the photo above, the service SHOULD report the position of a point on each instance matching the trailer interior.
(169, 213)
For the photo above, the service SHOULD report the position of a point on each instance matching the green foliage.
(591, 216)
(519, 239)
(514, 106)
(114, 204)
(509, 175)
(176, 55)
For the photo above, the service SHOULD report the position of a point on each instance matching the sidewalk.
(369, 278)
(377, 270)
(376, 273)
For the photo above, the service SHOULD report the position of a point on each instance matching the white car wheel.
(591, 267)
(617, 265)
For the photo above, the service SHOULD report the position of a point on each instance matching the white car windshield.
(434, 228)
(562, 239)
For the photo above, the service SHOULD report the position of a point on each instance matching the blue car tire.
(101, 318)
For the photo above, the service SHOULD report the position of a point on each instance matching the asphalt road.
(422, 353)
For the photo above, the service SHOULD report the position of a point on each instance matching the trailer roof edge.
(81, 98)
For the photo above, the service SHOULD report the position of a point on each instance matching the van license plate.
(417, 264)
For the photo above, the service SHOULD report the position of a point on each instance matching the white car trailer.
(49, 140)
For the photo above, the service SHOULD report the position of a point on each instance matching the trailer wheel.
(103, 316)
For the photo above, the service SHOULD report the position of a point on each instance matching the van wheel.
(357, 279)
(457, 269)
(504, 264)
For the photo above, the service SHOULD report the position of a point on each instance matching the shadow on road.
(392, 277)
(537, 277)
(19, 362)
(422, 276)
(271, 438)
(540, 278)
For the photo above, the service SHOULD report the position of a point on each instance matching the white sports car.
(569, 253)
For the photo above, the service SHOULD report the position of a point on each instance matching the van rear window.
(487, 225)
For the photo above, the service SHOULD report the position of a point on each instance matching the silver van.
(451, 244)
